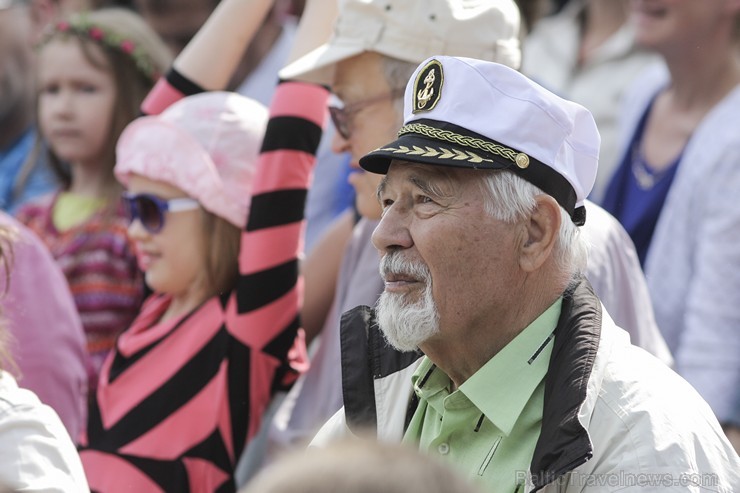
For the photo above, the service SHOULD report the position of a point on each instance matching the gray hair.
(510, 198)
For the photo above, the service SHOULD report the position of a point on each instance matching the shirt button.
(443, 449)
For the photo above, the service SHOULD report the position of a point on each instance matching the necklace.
(644, 177)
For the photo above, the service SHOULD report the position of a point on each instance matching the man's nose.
(392, 232)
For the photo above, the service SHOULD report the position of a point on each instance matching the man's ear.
(541, 231)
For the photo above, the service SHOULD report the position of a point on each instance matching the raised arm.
(211, 57)
(269, 291)
(213, 54)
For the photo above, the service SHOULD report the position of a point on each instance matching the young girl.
(94, 71)
(187, 384)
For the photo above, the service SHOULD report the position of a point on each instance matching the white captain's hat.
(469, 113)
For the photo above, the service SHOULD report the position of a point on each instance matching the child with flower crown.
(216, 189)
(94, 71)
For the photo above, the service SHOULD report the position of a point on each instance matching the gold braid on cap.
(518, 158)
(82, 27)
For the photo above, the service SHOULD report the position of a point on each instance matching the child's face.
(174, 259)
(76, 101)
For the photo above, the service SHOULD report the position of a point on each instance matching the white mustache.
(393, 264)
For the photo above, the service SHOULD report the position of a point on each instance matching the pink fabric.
(249, 254)
(271, 318)
(115, 474)
(311, 106)
(206, 145)
(205, 405)
(202, 474)
(193, 388)
(160, 97)
(164, 359)
(282, 163)
(49, 343)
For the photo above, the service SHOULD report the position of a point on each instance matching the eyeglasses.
(341, 114)
(149, 209)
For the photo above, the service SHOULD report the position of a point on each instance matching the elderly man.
(525, 381)
(368, 60)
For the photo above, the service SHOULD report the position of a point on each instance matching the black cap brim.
(443, 144)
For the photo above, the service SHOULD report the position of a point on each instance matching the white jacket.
(693, 264)
(36, 453)
(614, 419)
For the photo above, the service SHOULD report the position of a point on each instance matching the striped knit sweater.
(178, 400)
(100, 266)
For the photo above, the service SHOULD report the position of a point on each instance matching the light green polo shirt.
(489, 426)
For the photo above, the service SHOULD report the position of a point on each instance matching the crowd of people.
(491, 243)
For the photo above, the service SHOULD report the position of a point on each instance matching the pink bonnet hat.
(206, 144)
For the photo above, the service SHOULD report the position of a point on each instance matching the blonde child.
(216, 192)
(94, 70)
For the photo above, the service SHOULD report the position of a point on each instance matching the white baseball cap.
(413, 30)
(471, 113)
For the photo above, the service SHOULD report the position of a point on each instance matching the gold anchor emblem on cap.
(426, 94)
(428, 87)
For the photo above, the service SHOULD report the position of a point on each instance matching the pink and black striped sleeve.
(167, 91)
(269, 290)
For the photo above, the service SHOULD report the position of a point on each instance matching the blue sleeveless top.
(636, 194)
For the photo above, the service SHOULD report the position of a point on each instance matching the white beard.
(406, 325)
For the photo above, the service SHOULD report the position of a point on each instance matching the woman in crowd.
(675, 190)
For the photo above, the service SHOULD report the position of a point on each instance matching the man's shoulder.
(633, 379)
(647, 420)
(643, 418)
(649, 406)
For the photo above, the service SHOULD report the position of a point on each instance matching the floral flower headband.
(84, 28)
